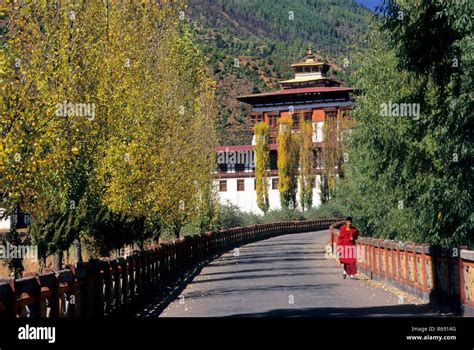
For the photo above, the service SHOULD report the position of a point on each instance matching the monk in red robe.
(346, 248)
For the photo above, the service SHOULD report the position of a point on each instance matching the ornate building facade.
(311, 96)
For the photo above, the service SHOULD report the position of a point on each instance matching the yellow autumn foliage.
(288, 158)
(262, 163)
(307, 171)
(147, 148)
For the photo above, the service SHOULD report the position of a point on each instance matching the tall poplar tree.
(262, 162)
(288, 158)
(307, 165)
(103, 107)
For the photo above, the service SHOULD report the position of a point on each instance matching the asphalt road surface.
(284, 276)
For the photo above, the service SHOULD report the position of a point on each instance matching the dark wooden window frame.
(275, 184)
(222, 185)
(240, 185)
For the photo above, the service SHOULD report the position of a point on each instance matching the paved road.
(284, 276)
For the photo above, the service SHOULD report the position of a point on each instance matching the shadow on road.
(408, 310)
(254, 260)
(259, 277)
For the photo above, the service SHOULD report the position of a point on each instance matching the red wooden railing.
(433, 273)
(100, 287)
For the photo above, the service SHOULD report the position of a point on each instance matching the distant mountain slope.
(250, 45)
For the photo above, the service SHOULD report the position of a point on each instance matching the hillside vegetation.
(250, 45)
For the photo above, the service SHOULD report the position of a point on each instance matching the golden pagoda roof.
(301, 79)
(310, 61)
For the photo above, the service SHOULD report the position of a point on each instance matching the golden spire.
(310, 57)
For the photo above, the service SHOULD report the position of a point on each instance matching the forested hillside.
(250, 45)
(409, 176)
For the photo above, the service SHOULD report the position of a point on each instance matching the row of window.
(312, 83)
(334, 130)
(241, 184)
(309, 69)
(250, 167)
(273, 118)
(238, 168)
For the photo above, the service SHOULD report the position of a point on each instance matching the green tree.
(288, 157)
(262, 162)
(307, 171)
(156, 161)
(48, 132)
(410, 177)
(135, 155)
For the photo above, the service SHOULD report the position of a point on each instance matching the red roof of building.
(315, 89)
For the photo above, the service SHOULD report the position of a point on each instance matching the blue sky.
(370, 4)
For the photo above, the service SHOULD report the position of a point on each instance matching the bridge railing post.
(7, 301)
(31, 287)
(50, 282)
(122, 263)
(67, 293)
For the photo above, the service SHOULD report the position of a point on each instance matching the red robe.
(346, 244)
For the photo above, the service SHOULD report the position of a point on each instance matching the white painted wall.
(318, 134)
(5, 222)
(247, 200)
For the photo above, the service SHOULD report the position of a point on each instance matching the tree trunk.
(177, 230)
(77, 251)
(42, 264)
(58, 260)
